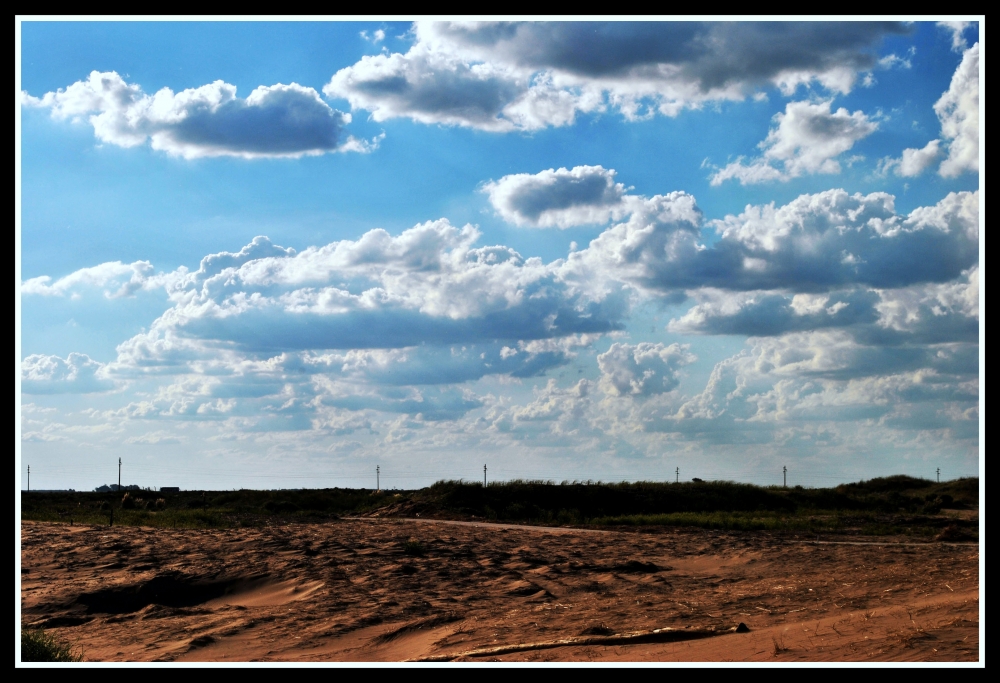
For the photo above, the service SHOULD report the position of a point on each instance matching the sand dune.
(394, 590)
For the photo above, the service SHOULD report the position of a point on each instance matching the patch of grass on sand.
(39, 646)
(197, 509)
(865, 523)
(413, 547)
(729, 521)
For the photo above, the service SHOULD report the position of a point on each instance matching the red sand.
(348, 591)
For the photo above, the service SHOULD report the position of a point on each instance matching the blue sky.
(277, 254)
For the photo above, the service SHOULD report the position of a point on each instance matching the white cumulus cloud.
(273, 121)
(423, 307)
(817, 242)
(642, 369)
(559, 198)
(806, 140)
(958, 110)
(957, 30)
(913, 162)
(505, 76)
(75, 374)
(123, 278)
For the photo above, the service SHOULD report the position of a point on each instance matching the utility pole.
(784, 477)
(484, 476)
(378, 486)
(677, 474)
(29, 476)
(119, 474)
(938, 475)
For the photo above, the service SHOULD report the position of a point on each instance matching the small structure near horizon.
(108, 488)
(170, 489)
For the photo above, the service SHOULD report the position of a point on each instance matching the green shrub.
(39, 646)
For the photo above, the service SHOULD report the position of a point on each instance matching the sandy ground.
(349, 591)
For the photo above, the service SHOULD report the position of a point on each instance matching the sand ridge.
(395, 590)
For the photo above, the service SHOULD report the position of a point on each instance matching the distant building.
(170, 489)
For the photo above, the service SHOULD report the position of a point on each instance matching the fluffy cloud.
(958, 110)
(642, 369)
(425, 365)
(929, 313)
(428, 285)
(922, 314)
(834, 354)
(824, 378)
(377, 36)
(428, 88)
(807, 138)
(267, 330)
(855, 313)
(815, 243)
(429, 307)
(75, 374)
(554, 413)
(559, 198)
(123, 278)
(504, 76)
(273, 121)
(913, 162)
(957, 30)
(895, 61)
(800, 392)
(773, 313)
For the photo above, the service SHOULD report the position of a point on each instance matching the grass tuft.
(39, 646)
(413, 547)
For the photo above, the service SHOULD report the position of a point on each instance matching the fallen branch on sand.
(659, 635)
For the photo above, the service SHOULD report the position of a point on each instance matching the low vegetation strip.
(889, 505)
(812, 521)
(39, 646)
